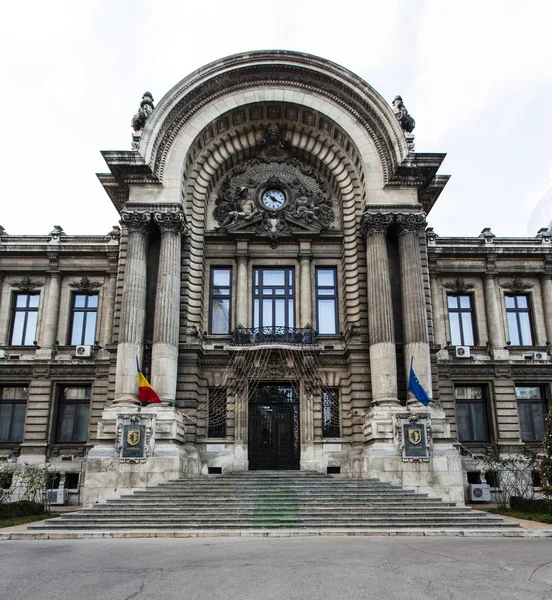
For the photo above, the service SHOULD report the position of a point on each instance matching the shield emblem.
(133, 437)
(414, 436)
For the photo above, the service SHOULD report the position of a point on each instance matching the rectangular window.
(216, 426)
(326, 301)
(460, 320)
(220, 300)
(25, 313)
(13, 405)
(84, 312)
(532, 411)
(330, 413)
(471, 414)
(519, 319)
(73, 415)
(273, 298)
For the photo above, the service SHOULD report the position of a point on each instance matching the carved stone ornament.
(460, 285)
(373, 223)
(174, 222)
(411, 222)
(406, 121)
(85, 285)
(26, 285)
(517, 285)
(145, 110)
(305, 201)
(136, 221)
(274, 139)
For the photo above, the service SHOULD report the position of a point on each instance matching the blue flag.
(416, 388)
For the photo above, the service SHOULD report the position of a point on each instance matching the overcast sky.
(476, 76)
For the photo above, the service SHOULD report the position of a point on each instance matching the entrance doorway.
(274, 427)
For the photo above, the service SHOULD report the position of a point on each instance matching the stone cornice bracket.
(136, 221)
(460, 285)
(431, 236)
(517, 285)
(85, 285)
(373, 223)
(487, 235)
(411, 222)
(174, 222)
(26, 285)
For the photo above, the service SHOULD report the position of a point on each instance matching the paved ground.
(294, 568)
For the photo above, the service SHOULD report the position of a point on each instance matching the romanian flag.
(145, 391)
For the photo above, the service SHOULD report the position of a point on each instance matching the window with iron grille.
(13, 405)
(519, 319)
(532, 411)
(220, 300)
(330, 413)
(73, 414)
(24, 317)
(216, 419)
(84, 311)
(326, 301)
(471, 414)
(460, 320)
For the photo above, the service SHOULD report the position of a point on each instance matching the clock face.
(273, 199)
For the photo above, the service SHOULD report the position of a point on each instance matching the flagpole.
(408, 384)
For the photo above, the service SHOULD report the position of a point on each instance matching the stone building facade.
(275, 278)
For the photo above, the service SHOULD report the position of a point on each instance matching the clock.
(273, 199)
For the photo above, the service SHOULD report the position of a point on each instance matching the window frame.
(26, 310)
(14, 402)
(517, 311)
(484, 402)
(61, 402)
(86, 310)
(287, 296)
(213, 296)
(460, 311)
(330, 400)
(333, 297)
(542, 401)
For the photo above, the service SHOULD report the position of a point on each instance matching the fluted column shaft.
(494, 328)
(133, 307)
(415, 331)
(305, 292)
(546, 288)
(109, 307)
(438, 313)
(241, 292)
(164, 355)
(383, 365)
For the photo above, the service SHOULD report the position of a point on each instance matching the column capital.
(242, 259)
(542, 276)
(411, 222)
(170, 222)
(136, 221)
(373, 223)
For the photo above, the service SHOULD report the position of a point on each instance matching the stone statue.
(304, 207)
(145, 110)
(244, 208)
(406, 121)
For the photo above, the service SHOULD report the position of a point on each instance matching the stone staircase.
(274, 500)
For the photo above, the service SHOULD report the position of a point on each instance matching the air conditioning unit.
(480, 492)
(540, 356)
(83, 351)
(462, 351)
(58, 496)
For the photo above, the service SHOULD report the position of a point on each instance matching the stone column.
(133, 307)
(416, 337)
(49, 325)
(438, 314)
(109, 302)
(494, 326)
(305, 291)
(164, 354)
(546, 288)
(241, 291)
(383, 366)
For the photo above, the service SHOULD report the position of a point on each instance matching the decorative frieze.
(517, 285)
(26, 284)
(459, 285)
(85, 285)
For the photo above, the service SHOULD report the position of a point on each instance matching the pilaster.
(49, 326)
(242, 284)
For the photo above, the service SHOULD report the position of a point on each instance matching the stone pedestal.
(109, 475)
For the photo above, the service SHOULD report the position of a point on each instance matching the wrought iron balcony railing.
(305, 336)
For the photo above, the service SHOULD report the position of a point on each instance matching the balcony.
(274, 335)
